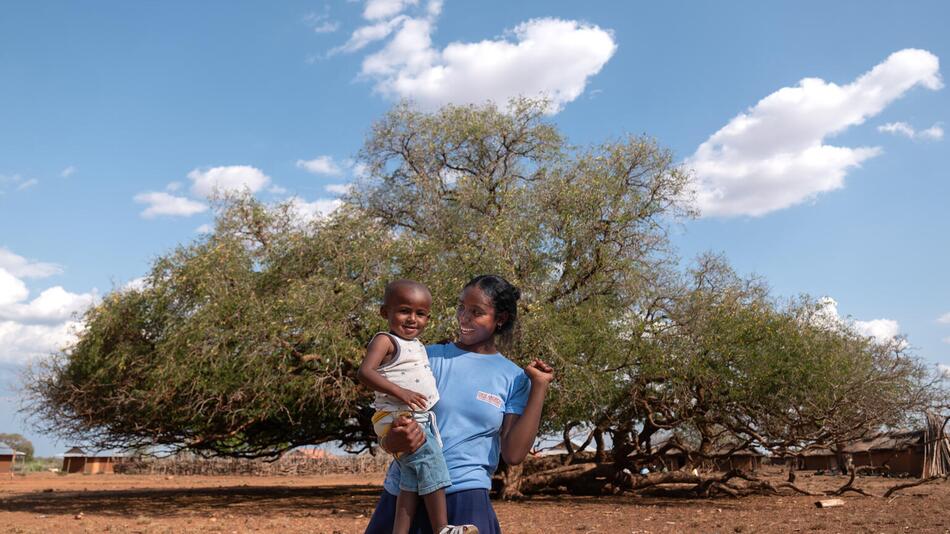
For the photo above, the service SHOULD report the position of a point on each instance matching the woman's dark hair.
(504, 297)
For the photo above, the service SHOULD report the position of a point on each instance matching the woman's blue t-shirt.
(476, 391)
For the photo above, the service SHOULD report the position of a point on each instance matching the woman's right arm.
(404, 436)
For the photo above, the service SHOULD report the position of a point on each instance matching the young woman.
(489, 407)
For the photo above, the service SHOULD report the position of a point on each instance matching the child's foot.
(459, 529)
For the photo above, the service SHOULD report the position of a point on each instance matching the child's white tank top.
(409, 369)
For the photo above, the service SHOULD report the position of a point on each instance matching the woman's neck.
(484, 347)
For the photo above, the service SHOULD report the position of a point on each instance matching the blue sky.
(115, 121)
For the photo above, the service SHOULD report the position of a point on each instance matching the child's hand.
(416, 401)
(539, 372)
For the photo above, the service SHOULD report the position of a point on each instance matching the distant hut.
(9, 458)
(743, 460)
(101, 464)
(817, 460)
(74, 461)
(892, 452)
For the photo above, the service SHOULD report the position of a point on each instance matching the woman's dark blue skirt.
(467, 507)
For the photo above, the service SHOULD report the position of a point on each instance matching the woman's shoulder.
(507, 366)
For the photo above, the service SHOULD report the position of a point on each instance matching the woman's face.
(476, 317)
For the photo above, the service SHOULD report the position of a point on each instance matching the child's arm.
(379, 350)
(518, 432)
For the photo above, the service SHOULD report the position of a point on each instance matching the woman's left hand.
(539, 372)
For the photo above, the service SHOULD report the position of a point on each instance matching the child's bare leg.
(406, 504)
(435, 506)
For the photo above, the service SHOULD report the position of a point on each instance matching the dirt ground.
(53, 504)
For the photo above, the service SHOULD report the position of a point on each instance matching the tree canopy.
(246, 342)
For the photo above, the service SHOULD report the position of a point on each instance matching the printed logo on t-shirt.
(494, 400)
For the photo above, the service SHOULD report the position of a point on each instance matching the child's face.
(476, 316)
(407, 311)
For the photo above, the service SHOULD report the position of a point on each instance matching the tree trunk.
(600, 455)
(511, 479)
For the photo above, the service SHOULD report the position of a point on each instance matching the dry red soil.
(53, 504)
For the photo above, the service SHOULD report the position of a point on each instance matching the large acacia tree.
(245, 342)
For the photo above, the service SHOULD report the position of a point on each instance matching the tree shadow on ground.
(169, 502)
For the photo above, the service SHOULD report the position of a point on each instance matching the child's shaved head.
(403, 287)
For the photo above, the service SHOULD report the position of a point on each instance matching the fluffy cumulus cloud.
(934, 133)
(320, 165)
(882, 330)
(21, 343)
(222, 180)
(546, 57)
(35, 327)
(159, 203)
(944, 319)
(774, 155)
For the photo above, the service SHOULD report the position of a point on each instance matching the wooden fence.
(290, 465)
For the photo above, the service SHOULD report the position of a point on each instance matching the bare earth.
(54, 504)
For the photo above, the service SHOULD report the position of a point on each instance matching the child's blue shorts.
(424, 471)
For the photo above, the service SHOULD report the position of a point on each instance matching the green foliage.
(246, 342)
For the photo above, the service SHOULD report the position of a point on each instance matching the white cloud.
(944, 370)
(773, 156)
(309, 211)
(27, 184)
(934, 133)
(547, 57)
(136, 284)
(543, 57)
(173, 186)
(68, 171)
(204, 229)
(946, 340)
(321, 23)
(234, 178)
(882, 330)
(53, 305)
(20, 343)
(944, 319)
(23, 268)
(31, 328)
(364, 35)
(339, 189)
(12, 289)
(165, 204)
(276, 190)
(320, 165)
(382, 9)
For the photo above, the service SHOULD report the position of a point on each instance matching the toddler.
(397, 369)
